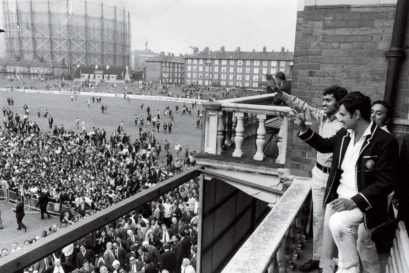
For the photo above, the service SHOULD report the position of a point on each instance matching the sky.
(175, 25)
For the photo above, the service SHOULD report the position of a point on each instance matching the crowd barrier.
(29, 202)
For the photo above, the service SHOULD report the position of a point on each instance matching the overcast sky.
(174, 25)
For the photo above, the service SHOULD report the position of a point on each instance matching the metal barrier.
(398, 261)
(13, 197)
(3, 194)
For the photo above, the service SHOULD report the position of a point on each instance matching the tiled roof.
(30, 63)
(243, 55)
(119, 71)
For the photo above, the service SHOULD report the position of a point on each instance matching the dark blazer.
(43, 201)
(376, 170)
(66, 268)
(168, 261)
(89, 256)
(20, 211)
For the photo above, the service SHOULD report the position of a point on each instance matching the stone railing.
(230, 122)
(278, 241)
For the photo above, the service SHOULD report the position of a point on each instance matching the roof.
(166, 58)
(119, 71)
(243, 55)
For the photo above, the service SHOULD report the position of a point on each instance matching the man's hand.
(299, 120)
(342, 204)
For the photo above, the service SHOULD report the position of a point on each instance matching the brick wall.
(340, 45)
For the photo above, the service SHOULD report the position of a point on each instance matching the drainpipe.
(396, 53)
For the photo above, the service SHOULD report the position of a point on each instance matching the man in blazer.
(362, 175)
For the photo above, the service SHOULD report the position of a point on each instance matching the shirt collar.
(366, 133)
(330, 118)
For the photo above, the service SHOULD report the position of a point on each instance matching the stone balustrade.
(278, 241)
(230, 123)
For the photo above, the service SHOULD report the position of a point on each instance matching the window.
(255, 84)
(256, 70)
(188, 75)
(206, 83)
(246, 84)
(195, 68)
(256, 63)
(224, 62)
(231, 83)
(282, 64)
(239, 77)
(188, 82)
(231, 62)
(194, 76)
(255, 78)
(201, 61)
(194, 61)
(223, 76)
(200, 68)
(240, 62)
(216, 69)
(223, 82)
(189, 61)
(231, 77)
(273, 63)
(200, 82)
(247, 77)
(216, 62)
(264, 71)
(239, 70)
(247, 62)
(224, 70)
(273, 70)
(291, 63)
(207, 69)
(189, 68)
(200, 76)
(264, 63)
(247, 70)
(231, 69)
(215, 76)
(207, 75)
(238, 84)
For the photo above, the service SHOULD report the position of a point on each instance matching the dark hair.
(280, 75)
(357, 101)
(386, 105)
(337, 91)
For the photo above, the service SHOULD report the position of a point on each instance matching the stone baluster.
(261, 134)
(282, 141)
(220, 133)
(229, 130)
(233, 132)
(280, 256)
(212, 118)
(239, 135)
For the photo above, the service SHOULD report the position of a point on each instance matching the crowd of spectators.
(86, 172)
(136, 88)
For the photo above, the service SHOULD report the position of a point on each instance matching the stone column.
(282, 141)
(239, 135)
(229, 131)
(261, 134)
(220, 133)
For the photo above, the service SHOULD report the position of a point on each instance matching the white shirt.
(348, 183)
(58, 270)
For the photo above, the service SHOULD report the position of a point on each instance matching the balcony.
(236, 133)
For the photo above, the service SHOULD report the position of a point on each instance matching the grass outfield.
(65, 111)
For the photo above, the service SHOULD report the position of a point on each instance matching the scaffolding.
(71, 32)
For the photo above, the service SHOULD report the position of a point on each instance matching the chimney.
(238, 49)
(222, 49)
(272, 50)
(264, 49)
(206, 50)
(288, 50)
(254, 50)
(195, 50)
(162, 53)
(282, 49)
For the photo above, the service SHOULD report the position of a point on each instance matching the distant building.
(139, 58)
(235, 68)
(18, 68)
(98, 73)
(165, 69)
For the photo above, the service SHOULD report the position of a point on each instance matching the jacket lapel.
(344, 145)
(368, 138)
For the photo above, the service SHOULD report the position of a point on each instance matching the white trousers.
(354, 242)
